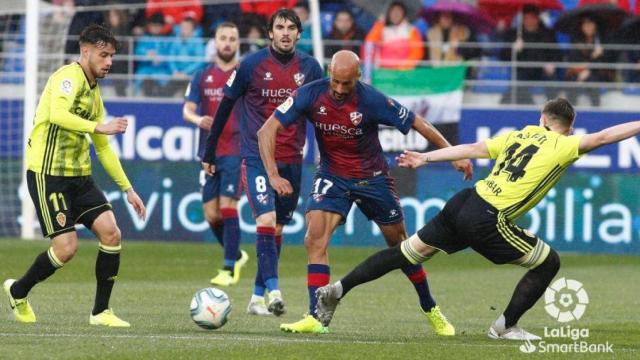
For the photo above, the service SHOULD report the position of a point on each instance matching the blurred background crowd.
(550, 46)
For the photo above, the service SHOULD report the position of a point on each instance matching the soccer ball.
(210, 308)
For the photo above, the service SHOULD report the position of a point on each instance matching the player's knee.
(314, 244)
(552, 262)
(267, 220)
(111, 237)
(65, 252)
(212, 217)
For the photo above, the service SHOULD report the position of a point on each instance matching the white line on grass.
(276, 339)
(249, 338)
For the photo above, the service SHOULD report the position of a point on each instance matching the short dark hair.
(286, 14)
(96, 34)
(560, 110)
(225, 24)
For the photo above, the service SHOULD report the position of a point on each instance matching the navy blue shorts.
(261, 196)
(224, 182)
(375, 196)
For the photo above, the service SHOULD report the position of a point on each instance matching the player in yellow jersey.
(528, 163)
(59, 176)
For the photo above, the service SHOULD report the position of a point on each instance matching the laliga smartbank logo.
(566, 300)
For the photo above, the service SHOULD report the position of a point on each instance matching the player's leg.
(211, 206)
(320, 227)
(230, 191)
(395, 234)
(91, 208)
(410, 252)
(328, 205)
(261, 198)
(437, 235)
(50, 198)
(234, 258)
(107, 266)
(513, 245)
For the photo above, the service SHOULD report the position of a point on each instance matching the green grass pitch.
(379, 320)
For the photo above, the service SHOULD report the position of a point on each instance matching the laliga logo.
(566, 300)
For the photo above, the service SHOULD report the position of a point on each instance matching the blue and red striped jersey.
(347, 131)
(206, 90)
(264, 83)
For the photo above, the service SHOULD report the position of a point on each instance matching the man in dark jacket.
(533, 31)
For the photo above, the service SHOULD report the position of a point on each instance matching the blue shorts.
(375, 196)
(224, 182)
(261, 196)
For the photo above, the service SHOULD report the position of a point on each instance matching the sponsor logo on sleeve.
(66, 86)
(286, 105)
(232, 77)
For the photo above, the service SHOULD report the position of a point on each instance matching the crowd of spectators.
(165, 44)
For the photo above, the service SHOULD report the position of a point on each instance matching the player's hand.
(280, 185)
(410, 159)
(209, 169)
(465, 166)
(137, 203)
(116, 126)
(205, 122)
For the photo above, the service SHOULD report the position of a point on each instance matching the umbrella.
(607, 16)
(464, 13)
(500, 9)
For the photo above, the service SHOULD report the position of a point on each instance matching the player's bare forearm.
(609, 135)
(459, 152)
(189, 113)
(267, 144)
(429, 132)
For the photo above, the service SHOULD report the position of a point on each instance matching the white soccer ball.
(210, 308)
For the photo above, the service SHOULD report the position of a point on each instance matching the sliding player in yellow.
(59, 176)
(528, 163)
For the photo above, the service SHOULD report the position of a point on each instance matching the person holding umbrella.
(590, 26)
(533, 31)
(447, 38)
(592, 53)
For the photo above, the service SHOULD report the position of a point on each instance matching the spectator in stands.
(532, 31)
(344, 30)
(186, 44)
(174, 14)
(155, 70)
(80, 21)
(252, 34)
(305, 43)
(582, 73)
(119, 24)
(265, 8)
(446, 41)
(392, 42)
(215, 14)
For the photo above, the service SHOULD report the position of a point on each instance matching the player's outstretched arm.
(429, 132)
(267, 144)
(609, 135)
(412, 159)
